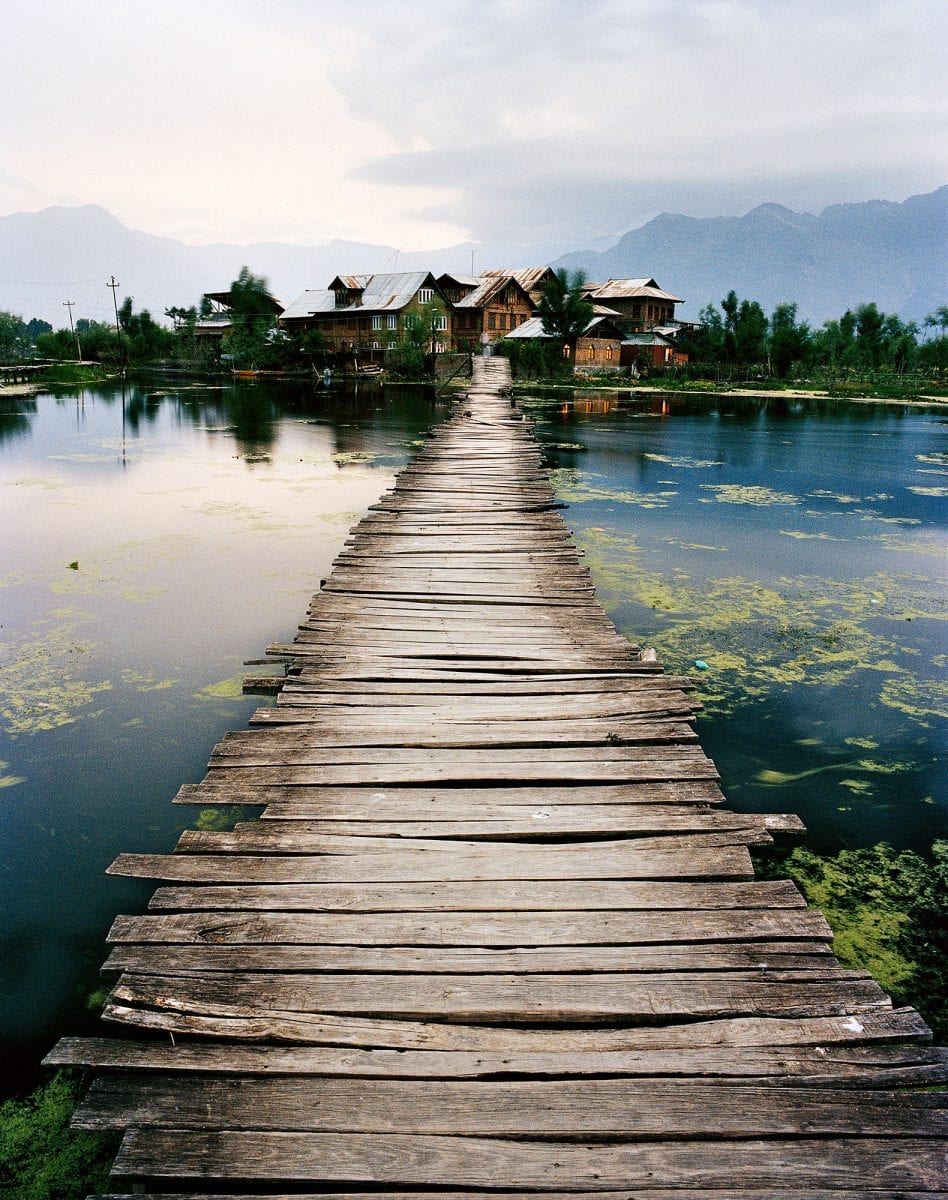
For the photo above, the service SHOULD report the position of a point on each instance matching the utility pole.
(114, 284)
(75, 336)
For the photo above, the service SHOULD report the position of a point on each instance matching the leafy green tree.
(705, 344)
(933, 352)
(250, 340)
(745, 331)
(869, 340)
(144, 339)
(564, 310)
(14, 340)
(532, 358)
(789, 342)
(35, 326)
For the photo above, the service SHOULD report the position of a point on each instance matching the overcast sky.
(428, 122)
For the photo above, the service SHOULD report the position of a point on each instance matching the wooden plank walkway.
(494, 931)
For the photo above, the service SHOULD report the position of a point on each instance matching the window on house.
(376, 346)
(439, 347)
(441, 323)
(491, 321)
(393, 345)
(609, 352)
(425, 295)
(393, 322)
(376, 322)
(566, 351)
(590, 352)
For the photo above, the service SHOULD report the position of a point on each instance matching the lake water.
(153, 541)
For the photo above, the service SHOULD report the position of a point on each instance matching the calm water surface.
(198, 523)
(798, 550)
(153, 541)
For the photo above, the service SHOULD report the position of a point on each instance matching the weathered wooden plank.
(565, 862)
(141, 958)
(489, 1162)
(608, 1108)
(468, 800)
(875, 1066)
(275, 837)
(522, 928)
(222, 1020)
(481, 895)
(385, 729)
(487, 770)
(499, 999)
(738, 1193)
(542, 824)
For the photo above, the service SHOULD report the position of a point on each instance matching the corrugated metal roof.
(534, 327)
(529, 278)
(646, 339)
(382, 293)
(312, 301)
(484, 292)
(471, 281)
(627, 289)
(529, 329)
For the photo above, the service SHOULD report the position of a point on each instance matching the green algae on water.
(41, 677)
(6, 780)
(889, 913)
(572, 487)
(231, 688)
(739, 493)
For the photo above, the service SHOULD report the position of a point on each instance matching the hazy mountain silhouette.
(891, 253)
(69, 254)
(850, 253)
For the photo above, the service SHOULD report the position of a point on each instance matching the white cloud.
(424, 122)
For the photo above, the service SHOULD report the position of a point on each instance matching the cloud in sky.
(427, 122)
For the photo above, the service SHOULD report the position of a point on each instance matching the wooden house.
(652, 349)
(219, 318)
(639, 304)
(531, 279)
(487, 311)
(371, 312)
(599, 348)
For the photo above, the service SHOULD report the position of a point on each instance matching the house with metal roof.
(641, 304)
(372, 312)
(652, 349)
(486, 311)
(598, 348)
(531, 279)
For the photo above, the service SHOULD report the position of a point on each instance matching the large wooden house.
(372, 312)
(639, 304)
(485, 310)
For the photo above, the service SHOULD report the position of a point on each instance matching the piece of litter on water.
(541, 814)
(74, 566)
(701, 664)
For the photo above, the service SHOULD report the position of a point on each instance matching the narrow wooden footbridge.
(494, 932)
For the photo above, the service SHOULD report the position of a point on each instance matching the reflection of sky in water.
(200, 531)
(800, 552)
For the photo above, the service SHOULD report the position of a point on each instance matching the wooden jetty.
(494, 932)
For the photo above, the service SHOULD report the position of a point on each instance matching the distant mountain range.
(894, 254)
(891, 253)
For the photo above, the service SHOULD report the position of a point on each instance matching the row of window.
(504, 320)
(391, 322)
